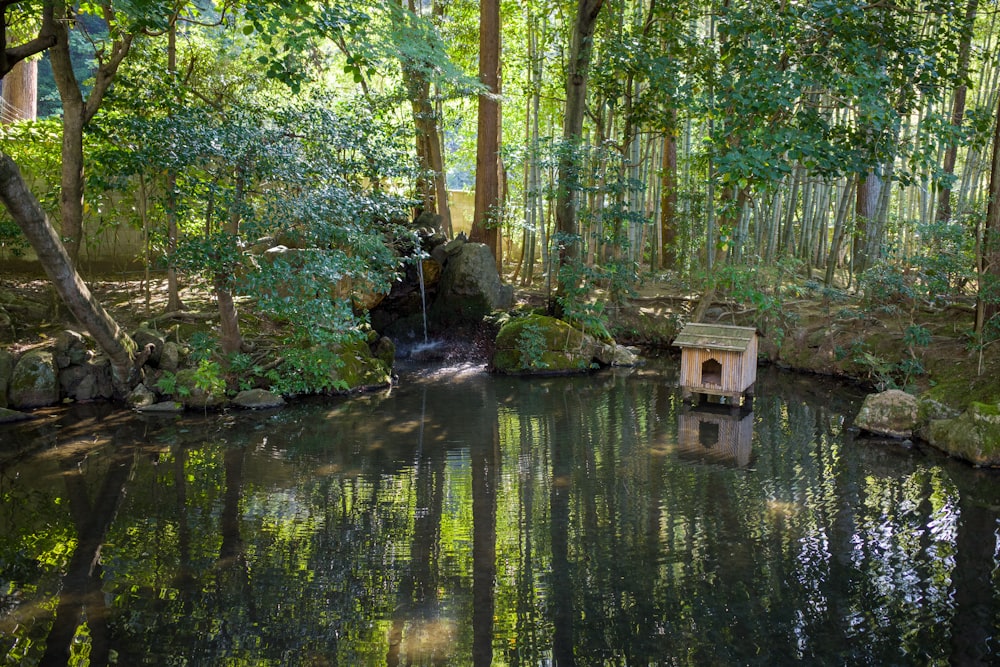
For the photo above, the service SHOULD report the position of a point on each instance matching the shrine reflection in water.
(466, 519)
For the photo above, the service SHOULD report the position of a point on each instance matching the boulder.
(9, 416)
(34, 382)
(170, 357)
(256, 399)
(87, 381)
(542, 344)
(140, 397)
(145, 336)
(359, 369)
(470, 287)
(973, 436)
(893, 413)
(71, 348)
(6, 369)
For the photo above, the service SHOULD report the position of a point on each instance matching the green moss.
(359, 369)
(557, 347)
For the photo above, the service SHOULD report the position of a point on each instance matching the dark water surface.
(464, 519)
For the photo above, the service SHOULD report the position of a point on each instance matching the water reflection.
(460, 519)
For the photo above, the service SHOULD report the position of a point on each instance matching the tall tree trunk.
(988, 299)
(230, 338)
(174, 303)
(668, 196)
(957, 109)
(20, 92)
(77, 112)
(35, 225)
(577, 72)
(869, 189)
(486, 219)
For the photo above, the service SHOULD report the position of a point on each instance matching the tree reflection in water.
(462, 519)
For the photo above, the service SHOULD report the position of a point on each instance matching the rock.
(9, 416)
(894, 413)
(470, 287)
(541, 344)
(71, 348)
(170, 357)
(140, 397)
(385, 350)
(6, 369)
(162, 407)
(145, 336)
(610, 354)
(34, 382)
(255, 399)
(973, 436)
(88, 381)
(360, 369)
(193, 396)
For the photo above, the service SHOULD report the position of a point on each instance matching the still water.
(465, 519)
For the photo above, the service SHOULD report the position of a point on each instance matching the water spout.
(423, 295)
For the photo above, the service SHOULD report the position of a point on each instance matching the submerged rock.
(894, 413)
(973, 436)
(9, 416)
(34, 382)
(257, 399)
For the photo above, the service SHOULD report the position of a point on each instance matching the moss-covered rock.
(894, 413)
(973, 436)
(6, 369)
(360, 369)
(34, 382)
(542, 344)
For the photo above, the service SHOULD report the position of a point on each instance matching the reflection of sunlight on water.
(429, 639)
(781, 509)
(452, 372)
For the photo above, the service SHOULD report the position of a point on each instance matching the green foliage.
(208, 377)
(307, 371)
(531, 345)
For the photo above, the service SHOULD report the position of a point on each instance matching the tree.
(489, 204)
(577, 70)
(988, 299)
(52, 255)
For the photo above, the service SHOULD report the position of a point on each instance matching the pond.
(466, 519)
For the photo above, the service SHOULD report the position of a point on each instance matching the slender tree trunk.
(668, 196)
(577, 72)
(77, 112)
(957, 109)
(174, 303)
(230, 338)
(486, 219)
(988, 300)
(52, 255)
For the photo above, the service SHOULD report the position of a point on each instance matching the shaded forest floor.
(922, 349)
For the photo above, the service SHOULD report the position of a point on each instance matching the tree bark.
(20, 92)
(77, 112)
(488, 205)
(668, 196)
(988, 299)
(230, 338)
(35, 225)
(957, 110)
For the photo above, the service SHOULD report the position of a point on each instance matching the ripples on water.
(463, 519)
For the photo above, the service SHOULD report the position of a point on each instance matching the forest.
(759, 155)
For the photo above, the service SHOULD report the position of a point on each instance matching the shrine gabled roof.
(716, 337)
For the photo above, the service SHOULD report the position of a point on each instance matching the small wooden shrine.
(718, 360)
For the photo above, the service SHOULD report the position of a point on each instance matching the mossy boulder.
(973, 436)
(541, 344)
(360, 369)
(894, 413)
(470, 287)
(34, 382)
